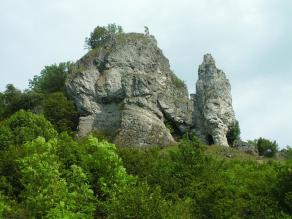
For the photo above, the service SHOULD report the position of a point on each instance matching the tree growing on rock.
(101, 35)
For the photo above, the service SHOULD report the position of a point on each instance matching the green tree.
(101, 35)
(61, 112)
(2, 106)
(266, 147)
(10, 101)
(46, 191)
(233, 133)
(51, 79)
(105, 166)
(24, 126)
(31, 101)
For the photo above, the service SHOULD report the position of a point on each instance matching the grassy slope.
(221, 152)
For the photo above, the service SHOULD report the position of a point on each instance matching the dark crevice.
(210, 140)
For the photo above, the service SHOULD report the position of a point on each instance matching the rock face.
(126, 90)
(213, 114)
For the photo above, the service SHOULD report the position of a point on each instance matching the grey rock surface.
(127, 91)
(246, 147)
(213, 113)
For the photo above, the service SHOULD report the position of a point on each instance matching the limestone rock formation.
(126, 90)
(213, 113)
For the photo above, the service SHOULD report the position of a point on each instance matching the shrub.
(24, 126)
(266, 147)
(104, 166)
(9, 101)
(49, 191)
(61, 112)
(101, 35)
(137, 201)
(233, 133)
(283, 190)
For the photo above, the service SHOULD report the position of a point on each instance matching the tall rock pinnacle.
(213, 113)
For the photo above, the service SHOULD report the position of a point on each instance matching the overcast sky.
(251, 40)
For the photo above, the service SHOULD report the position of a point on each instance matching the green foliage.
(177, 81)
(233, 133)
(4, 207)
(13, 100)
(101, 35)
(54, 192)
(138, 201)
(55, 176)
(10, 173)
(214, 188)
(24, 126)
(287, 153)
(266, 147)
(283, 190)
(169, 126)
(60, 112)
(2, 106)
(107, 173)
(9, 101)
(51, 79)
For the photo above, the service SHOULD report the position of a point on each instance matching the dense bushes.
(46, 95)
(210, 188)
(23, 127)
(55, 176)
(60, 112)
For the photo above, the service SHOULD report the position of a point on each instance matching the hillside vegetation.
(45, 172)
